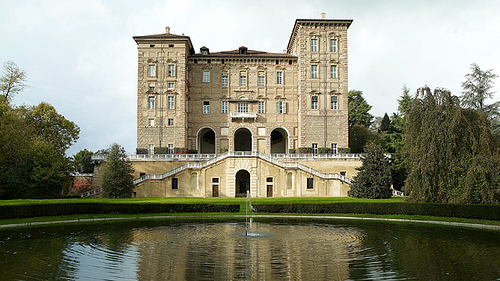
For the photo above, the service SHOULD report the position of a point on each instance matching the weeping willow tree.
(453, 156)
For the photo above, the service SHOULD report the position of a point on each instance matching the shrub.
(476, 211)
(64, 209)
(141, 151)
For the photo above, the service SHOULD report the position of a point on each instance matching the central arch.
(242, 183)
(243, 140)
(279, 141)
(206, 141)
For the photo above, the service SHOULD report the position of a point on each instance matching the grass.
(241, 201)
(218, 200)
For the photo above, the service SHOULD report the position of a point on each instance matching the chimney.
(323, 15)
(167, 29)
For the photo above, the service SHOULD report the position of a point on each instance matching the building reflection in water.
(222, 251)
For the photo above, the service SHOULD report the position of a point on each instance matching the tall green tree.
(394, 140)
(477, 87)
(82, 161)
(452, 154)
(12, 81)
(385, 124)
(359, 136)
(359, 110)
(51, 126)
(374, 177)
(117, 179)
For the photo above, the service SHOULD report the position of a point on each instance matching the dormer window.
(204, 50)
(243, 50)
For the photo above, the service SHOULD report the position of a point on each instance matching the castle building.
(242, 109)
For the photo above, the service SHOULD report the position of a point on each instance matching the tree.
(358, 110)
(374, 177)
(30, 165)
(476, 89)
(452, 154)
(385, 125)
(117, 176)
(359, 136)
(51, 126)
(394, 140)
(12, 81)
(82, 161)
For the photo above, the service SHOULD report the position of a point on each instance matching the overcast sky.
(80, 56)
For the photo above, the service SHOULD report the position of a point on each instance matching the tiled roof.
(160, 36)
(249, 53)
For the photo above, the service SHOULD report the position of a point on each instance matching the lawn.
(218, 200)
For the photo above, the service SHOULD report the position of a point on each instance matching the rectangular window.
(314, 45)
(279, 77)
(261, 80)
(310, 183)
(151, 122)
(262, 107)
(151, 103)
(171, 70)
(333, 102)
(243, 107)
(333, 71)
(223, 106)
(170, 85)
(151, 88)
(334, 148)
(151, 148)
(333, 45)
(170, 102)
(206, 76)
(206, 107)
(175, 183)
(225, 80)
(170, 148)
(314, 71)
(269, 179)
(170, 122)
(314, 102)
(243, 80)
(215, 180)
(152, 70)
(315, 148)
(281, 107)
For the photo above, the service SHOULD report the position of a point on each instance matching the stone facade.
(244, 100)
(236, 110)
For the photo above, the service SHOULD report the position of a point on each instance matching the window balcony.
(243, 115)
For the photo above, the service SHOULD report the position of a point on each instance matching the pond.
(276, 250)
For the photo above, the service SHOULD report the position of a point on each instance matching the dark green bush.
(344, 150)
(141, 151)
(477, 211)
(64, 209)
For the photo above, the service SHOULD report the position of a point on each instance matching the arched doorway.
(242, 183)
(243, 140)
(206, 141)
(279, 141)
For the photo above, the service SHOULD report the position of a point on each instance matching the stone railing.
(200, 165)
(91, 193)
(243, 115)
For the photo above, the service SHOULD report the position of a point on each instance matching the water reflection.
(286, 250)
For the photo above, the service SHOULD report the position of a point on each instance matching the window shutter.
(284, 107)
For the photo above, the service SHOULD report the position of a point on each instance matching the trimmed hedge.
(488, 212)
(64, 209)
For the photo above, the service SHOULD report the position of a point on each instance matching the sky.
(80, 57)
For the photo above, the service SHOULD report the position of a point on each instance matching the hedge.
(64, 209)
(479, 211)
